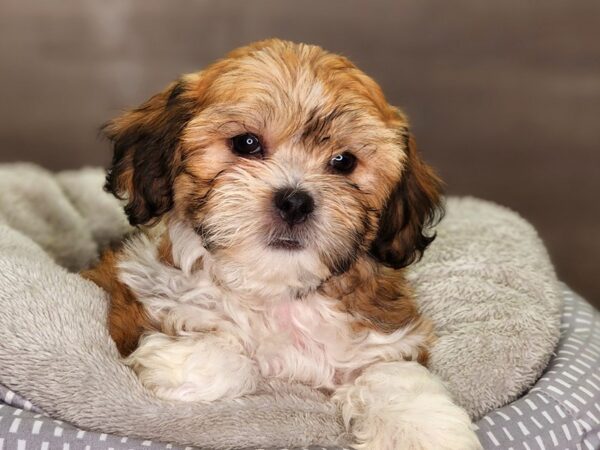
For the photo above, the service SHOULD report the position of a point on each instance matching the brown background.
(504, 96)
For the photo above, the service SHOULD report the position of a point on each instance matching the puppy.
(279, 197)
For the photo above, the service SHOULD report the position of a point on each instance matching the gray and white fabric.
(562, 410)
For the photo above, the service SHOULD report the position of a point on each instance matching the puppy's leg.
(199, 367)
(401, 405)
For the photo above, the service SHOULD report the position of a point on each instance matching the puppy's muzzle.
(293, 205)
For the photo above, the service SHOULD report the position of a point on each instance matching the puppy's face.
(285, 159)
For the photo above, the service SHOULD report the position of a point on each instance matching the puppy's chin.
(272, 259)
(281, 267)
(248, 266)
(275, 259)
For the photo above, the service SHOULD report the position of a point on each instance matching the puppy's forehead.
(291, 88)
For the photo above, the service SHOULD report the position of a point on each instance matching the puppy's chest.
(306, 340)
(309, 340)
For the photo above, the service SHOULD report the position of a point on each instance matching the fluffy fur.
(307, 340)
(402, 405)
(222, 282)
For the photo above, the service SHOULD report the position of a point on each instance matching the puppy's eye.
(343, 163)
(246, 145)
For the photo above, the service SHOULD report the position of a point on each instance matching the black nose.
(294, 205)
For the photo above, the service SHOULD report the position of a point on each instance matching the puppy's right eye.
(246, 145)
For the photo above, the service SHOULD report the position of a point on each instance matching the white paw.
(200, 367)
(402, 406)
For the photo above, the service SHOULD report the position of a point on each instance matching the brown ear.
(413, 206)
(146, 149)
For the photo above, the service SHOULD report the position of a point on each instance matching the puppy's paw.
(203, 367)
(402, 406)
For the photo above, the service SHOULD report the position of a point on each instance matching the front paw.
(402, 406)
(202, 367)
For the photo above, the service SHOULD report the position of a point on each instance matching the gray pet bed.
(561, 411)
(486, 282)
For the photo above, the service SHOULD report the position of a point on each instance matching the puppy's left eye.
(246, 145)
(343, 163)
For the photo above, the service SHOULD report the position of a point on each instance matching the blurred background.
(504, 96)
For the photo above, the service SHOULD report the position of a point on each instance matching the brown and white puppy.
(281, 196)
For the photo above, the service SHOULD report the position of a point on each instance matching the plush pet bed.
(486, 281)
(561, 411)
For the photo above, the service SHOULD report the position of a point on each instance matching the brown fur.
(380, 299)
(146, 150)
(412, 207)
(172, 153)
(165, 250)
(127, 320)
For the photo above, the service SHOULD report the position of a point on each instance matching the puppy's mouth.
(285, 243)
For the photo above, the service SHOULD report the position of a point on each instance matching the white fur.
(228, 335)
(401, 405)
(191, 369)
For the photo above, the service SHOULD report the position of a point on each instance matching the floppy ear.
(146, 143)
(413, 206)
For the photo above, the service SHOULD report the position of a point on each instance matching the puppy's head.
(286, 160)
